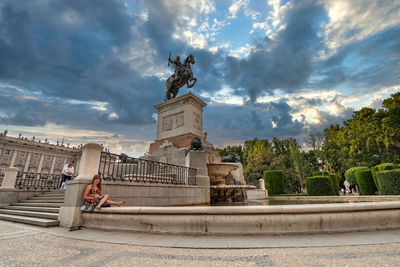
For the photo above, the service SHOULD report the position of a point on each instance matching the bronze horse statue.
(183, 75)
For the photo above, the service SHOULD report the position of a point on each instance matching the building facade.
(36, 156)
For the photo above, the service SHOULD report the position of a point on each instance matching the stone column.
(10, 177)
(198, 160)
(28, 160)
(70, 215)
(14, 157)
(41, 162)
(52, 165)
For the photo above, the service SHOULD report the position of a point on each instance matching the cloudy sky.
(91, 71)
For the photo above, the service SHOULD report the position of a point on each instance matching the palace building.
(34, 155)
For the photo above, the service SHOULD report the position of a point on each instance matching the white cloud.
(224, 95)
(196, 40)
(273, 22)
(237, 5)
(309, 115)
(192, 22)
(351, 21)
(372, 99)
(215, 49)
(241, 52)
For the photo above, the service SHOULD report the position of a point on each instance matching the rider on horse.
(182, 75)
(177, 67)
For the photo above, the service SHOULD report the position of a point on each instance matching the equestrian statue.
(182, 75)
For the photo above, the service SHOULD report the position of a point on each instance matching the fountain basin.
(250, 220)
(220, 169)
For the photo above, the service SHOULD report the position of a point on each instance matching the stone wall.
(250, 220)
(145, 194)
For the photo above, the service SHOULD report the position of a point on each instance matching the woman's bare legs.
(102, 201)
(113, 203)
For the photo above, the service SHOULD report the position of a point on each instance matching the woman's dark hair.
(97, 177)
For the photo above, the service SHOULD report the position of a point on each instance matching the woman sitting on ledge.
(94, 198)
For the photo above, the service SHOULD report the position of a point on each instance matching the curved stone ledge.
(337, 198)
(250, 220)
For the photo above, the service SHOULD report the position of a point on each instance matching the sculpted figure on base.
(182, 75)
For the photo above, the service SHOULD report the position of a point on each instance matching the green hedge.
(335, 184)
(373, 173)
(365, 182)
(274, 181)
(350, 174)
(317, 173)
(389, 182)
(379, 168)
(319, 186)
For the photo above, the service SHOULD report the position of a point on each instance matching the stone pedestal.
(198, 160)
(262, 184)
(179, 121)
(70, 215)
(10, 176)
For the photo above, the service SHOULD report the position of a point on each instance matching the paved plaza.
(23, 245)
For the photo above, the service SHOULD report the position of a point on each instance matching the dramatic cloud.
(284, 62)
(93, 70)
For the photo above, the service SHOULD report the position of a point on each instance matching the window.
(48, 157)
(60, 158)
(2, 171)
(7, 152)
(22, 154)
(35, 156)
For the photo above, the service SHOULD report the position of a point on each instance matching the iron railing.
(115, 167)
(37, 181)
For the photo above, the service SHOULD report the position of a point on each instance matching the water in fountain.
(224, 187)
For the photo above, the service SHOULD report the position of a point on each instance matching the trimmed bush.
(335, 184)
(379, 168)
(319, 186)
(317, 173)
(274, 181)
(350, 174)
(365, 182)
(389, 182)
(373, 173)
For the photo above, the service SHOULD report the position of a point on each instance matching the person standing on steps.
(67, 172)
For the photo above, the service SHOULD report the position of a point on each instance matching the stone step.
(39, 209)
(55, 192)
(46, 198)
(53, 216)
(29, 220)
(54, 205)
(42, 201)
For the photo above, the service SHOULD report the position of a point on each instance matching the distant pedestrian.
(67, 172)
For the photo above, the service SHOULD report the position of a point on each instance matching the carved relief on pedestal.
(173, 121)
(196, 120)
(179, 120)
